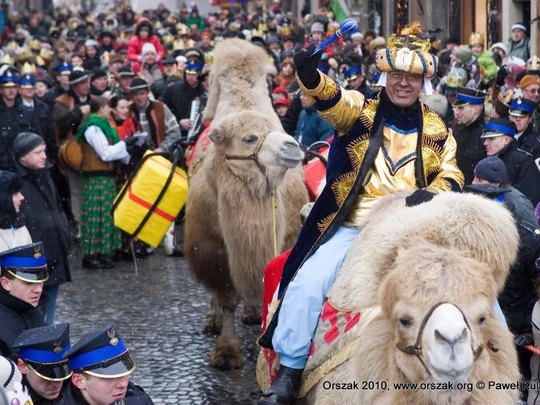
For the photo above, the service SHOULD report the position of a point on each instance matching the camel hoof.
(226, 354)
(212, 324)
(251, 319)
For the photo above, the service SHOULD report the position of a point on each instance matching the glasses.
(534, 91)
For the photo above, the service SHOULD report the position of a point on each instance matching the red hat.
(279, 90)
(206, 34)
(282, 101)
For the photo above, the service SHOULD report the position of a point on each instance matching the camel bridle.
(416, 349)
(254, 156)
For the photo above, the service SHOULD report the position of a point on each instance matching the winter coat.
(46, 221)
(529, 141)
(523, 174)
(136, 43)
(150, 73)
(135, 395)
(470, 147)
(91, 63)
(312, 128)
(178, 98)
(13, 231)
(51, 95)
(16, 315)
(520, 49)
(487, 65)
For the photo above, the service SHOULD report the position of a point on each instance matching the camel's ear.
(216, 136)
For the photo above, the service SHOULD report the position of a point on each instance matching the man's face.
(125, 83)
(317, 38)
(10, 93)
(91, 52)
(34, 159)
(100, 83)
(62, 53)
(517, 34)
(522, 122)
(274, 47)
(150, 58)
(481, 182)
(206, 41)
(356, 83)
(495, 145)
(63, 80)
(192, 79)
(403, 88)
(27, 93)
(82, 88)
(169, 70)
(49, 390)
(27, 292)
(465, 114)
(41, 89)
(531, 92)
(140, 98)
(101, 391)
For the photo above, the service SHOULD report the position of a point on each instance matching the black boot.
(92, 263)
(285, 388)
(106, 261)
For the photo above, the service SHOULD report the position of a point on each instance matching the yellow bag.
(132, 206)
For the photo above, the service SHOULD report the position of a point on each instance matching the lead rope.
(274, 221)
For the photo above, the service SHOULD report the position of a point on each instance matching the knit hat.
(91, 43)
(519, 26)
(148, 47)
(528, 80)
(358, 36)
(9, 374)
(317, 27)
(25, 143)
(501, 46)
(464, 54)
(282, 101)
(491, 169)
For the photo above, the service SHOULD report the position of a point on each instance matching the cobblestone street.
(159, 314)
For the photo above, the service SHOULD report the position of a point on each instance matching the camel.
(425, 279)
(244, 201)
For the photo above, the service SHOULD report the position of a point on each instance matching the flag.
(340, 10)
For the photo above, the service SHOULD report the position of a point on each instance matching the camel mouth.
(451, 375)
(291, 160)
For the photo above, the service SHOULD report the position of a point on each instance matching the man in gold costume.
(383, 145)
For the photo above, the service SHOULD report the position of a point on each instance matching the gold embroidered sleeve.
(449, 177)
(339, 107)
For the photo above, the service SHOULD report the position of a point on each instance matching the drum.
(70, 154)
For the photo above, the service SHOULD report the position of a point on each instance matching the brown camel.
(244, 202)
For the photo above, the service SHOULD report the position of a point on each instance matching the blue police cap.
(27, 263)
(467, 96)
(194, 67)
(521, 106)
(499, 127)
(27, 81)
(102, 354)
(64, 69)
(352, 72)
(43, 349)
(9, 78)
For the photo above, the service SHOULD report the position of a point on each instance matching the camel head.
(252, 147)
(439, 303)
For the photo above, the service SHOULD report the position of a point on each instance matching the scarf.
(101, 123)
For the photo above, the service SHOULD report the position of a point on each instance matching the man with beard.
(102, 366)
(468, 125)
(179, 96)
(39, 359)
(379, 149)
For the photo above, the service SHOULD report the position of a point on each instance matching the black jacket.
(46, 221)
(523, 174)
(178, 98)
(529, 141)
(470, 147)
(135, 395)
(519, 295)
(51, 95)
(16, 315)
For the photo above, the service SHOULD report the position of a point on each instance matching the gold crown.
(285, 30)
(533, 63)
(180, 27)
(178, 45)
(73, 23)
(105, 56)
(506, 96)
(25, 54)
(47, 54)
(476, 38)
(34, 44)
(40, 61)
(7, 59)
(409, 38)
(167, 39)
(455, 81)
(28, 69)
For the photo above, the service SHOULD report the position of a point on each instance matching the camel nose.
(450, 339)
(290, 144)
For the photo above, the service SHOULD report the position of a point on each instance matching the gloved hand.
(501, 75)
(306, 67)
(418, 197)
(135, 142)
(523, 339)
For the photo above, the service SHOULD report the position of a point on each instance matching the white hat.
(148, 47)
(9, 374)
(358, 36)
(519, 26)
(499, 45)
(437, 102)
(92, 43)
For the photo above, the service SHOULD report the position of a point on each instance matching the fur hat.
(148, 47)
(437, 102)
(377, 42)
(464, 53)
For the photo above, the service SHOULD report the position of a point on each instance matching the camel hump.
(466, 224)
(238, 55)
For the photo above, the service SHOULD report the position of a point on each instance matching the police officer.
(23, 270)
(468, 125)
(40, 361)
(102, 366)
(62, 73)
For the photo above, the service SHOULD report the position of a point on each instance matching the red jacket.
(136, 44)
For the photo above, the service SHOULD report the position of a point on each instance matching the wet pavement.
(160, 313)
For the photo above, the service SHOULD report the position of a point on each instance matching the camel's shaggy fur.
(456, 248)
(231, 221)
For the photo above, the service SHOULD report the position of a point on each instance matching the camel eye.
(405, 322)
(251, 139)
(481, 320)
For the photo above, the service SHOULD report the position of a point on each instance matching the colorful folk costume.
(381, 148)
(101, 146)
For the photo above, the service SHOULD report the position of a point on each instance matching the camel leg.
(227, 353)
(213, 321)
(252, 311)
